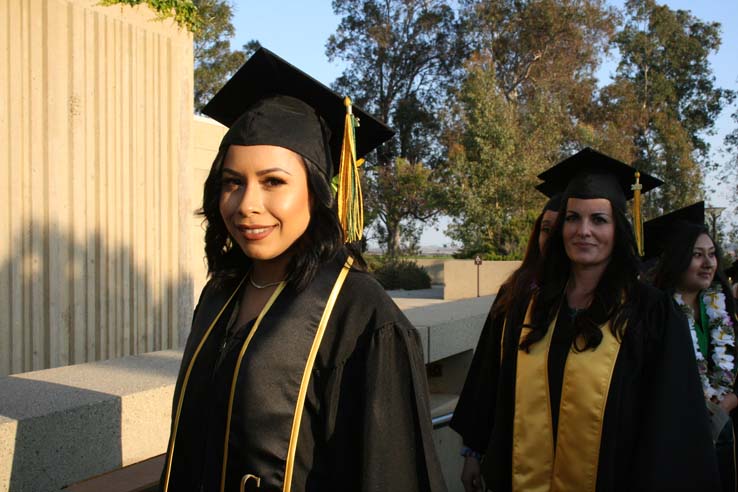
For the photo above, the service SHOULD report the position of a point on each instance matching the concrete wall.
(460, 277)
(95, 122)
(206, 137)
(434, 267)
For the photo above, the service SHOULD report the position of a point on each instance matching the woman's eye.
(230, 183)
(697, 254)
(273, 181)
(571, 218)
(547, 230)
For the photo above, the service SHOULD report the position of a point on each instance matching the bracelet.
(468, 452)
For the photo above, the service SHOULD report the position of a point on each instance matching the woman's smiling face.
(264, 199)
(701, 270)
(589, 231)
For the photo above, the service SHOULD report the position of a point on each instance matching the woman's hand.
(471, 475)
(729, 402)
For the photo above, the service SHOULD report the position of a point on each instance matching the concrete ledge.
(447, 327)
(61, 426)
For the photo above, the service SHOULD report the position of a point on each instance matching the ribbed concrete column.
(95, 212)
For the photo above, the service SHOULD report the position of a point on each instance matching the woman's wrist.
(468, 452)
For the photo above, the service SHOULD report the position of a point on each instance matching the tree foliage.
(401, 56)
(524, 102)
(184, 12)
(730, 173)
(664, 97)
(531, 97)
(215, 61)
(399, 194)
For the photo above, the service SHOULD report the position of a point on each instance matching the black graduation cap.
(269, 101)
(660, 231)
(552, 193)
(592, 174)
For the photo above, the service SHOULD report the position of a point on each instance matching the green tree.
(534, 45)
(215, 61)
(495, 151)
(665, 99)
(524, 103)
(401, 56)
(405, 191)
(730, 174)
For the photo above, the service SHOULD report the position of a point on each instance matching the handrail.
(442, 420)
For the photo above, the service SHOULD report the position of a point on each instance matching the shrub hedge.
(402, 274)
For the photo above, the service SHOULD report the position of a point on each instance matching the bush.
(403, 274)
(374, 262)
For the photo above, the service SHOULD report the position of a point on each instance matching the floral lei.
(717, 378)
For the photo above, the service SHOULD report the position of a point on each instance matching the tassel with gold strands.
(348, 194)
(637, 218)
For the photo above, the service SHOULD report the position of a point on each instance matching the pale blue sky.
(297, 30)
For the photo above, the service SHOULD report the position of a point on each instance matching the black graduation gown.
(726, 445)
(474, 414)
(655, 431)
(366, 421)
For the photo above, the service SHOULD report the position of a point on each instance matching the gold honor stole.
(256, 378)
(587, 375)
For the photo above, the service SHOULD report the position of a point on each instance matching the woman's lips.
(255, 233)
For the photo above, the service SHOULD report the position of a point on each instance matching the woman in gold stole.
(299, 373)
(689, 271)
(474, 413)
(597, 382)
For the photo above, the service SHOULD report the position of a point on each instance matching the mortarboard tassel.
(348, 195)
(637, 218)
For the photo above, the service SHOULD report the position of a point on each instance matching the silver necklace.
(263, 286)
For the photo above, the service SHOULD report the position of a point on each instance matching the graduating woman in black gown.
(597, 381)
(300, 373)
(474, 413)
(689, 271)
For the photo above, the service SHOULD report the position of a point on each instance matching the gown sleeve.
(474, 414)
(398, 448)
(374, 412)
(675, 450)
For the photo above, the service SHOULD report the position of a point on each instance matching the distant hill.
(424, 250)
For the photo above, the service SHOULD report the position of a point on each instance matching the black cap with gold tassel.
(637, 216)
(349, 197)
(270, 102)
(592, 174)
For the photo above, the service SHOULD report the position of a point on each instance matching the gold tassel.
(348, 195)
(637, 218)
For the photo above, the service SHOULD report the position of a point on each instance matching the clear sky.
(298, 30)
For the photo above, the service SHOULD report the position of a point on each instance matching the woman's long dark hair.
(614, 298)
(321, 242)
(677, 256)
(518, 284)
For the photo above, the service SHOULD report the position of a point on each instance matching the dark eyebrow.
(271, 170)
(231, 171)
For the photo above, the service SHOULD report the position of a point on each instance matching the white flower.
(721, 337)
(717, 380)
